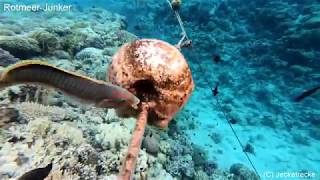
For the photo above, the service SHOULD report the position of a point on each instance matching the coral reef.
(6, 32)
(8, 115)
(242, 172)
(80, 39)
(19, 46)
(47, 41)
(30, 110)
(6, 58)
(93, 57)
(268, 52)
(40, 126)
(150, 143)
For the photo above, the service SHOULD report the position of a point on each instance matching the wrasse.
(99, 93)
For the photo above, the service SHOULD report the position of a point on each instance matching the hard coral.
(24, 93)
(6, 32)
(181, 166)
(31, 111)
(80, 39)
(242, 172)
(19, 46)
(8, 115)
(90, 55)
(151, 144)
(6, 58)
(119, 38)
(115, 139)
(47, 41)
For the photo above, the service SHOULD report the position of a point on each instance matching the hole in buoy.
(145, 90)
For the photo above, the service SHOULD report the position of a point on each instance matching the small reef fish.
(306, 94)
(99, 93)
(216, 58)
(233, 121)
(37, 174)
(215, 90)
(137, 27)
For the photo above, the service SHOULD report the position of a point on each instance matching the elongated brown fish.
(99, 93)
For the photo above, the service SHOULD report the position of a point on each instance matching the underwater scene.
(159, 89)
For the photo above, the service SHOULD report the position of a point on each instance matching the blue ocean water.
(267, 59)
(260, 55)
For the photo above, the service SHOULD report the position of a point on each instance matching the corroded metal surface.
(156, 71)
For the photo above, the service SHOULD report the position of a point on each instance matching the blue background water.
(270, 53)
(267, 61)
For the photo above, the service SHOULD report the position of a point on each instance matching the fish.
(233, 121)
(216, 58)
(99, 93)
(215, 90)
(306, 94)
(137, 27)
(37, 174)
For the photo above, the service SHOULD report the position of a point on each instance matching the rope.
(226, 115)
(184, 33)
(215, 95)
(181, 23)
(238, 139)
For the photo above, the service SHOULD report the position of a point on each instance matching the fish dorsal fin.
(42, 63)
